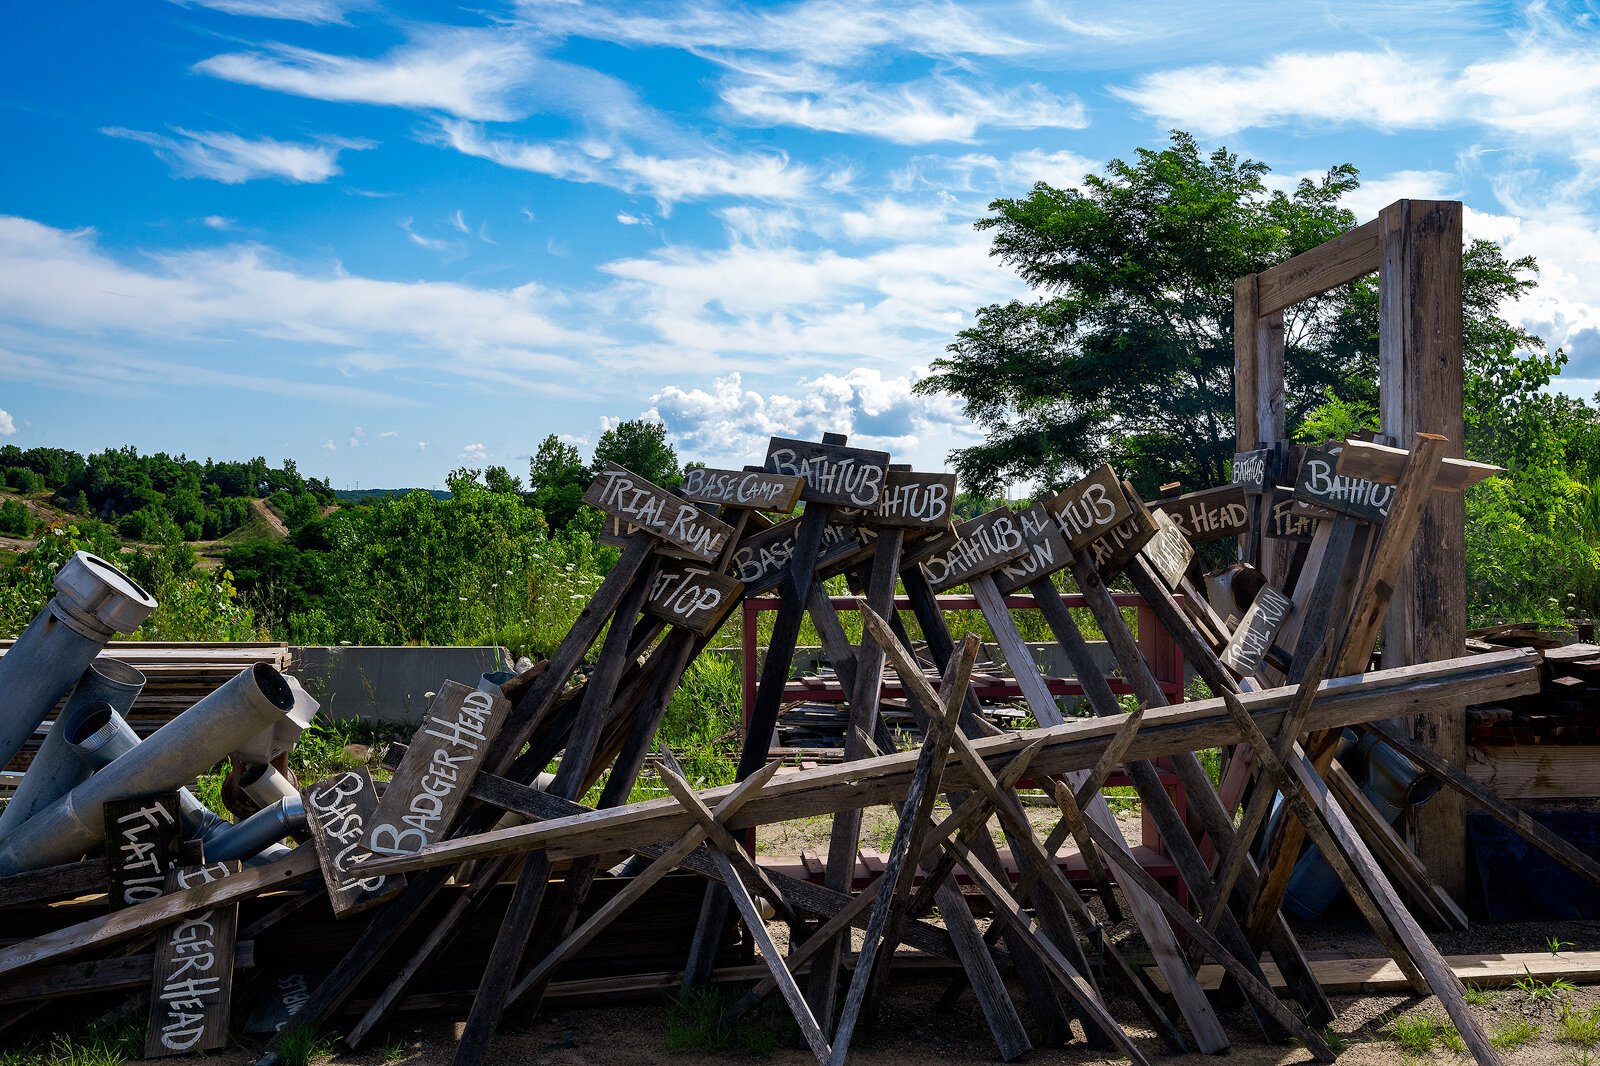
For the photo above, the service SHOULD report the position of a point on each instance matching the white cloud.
(317, 11)
(433, 244)
(730, 424)
(389, 433)
(422, 445)
(358, 438)
(633, 220)
(473, 453)
(8, 425)
(233, 160)
(1387, 90)
(469, 73)
(933, 109)
(329, 446)
(221, 222)
(758, 175)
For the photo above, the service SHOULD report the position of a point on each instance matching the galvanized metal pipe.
(266, 785)
(261, 830)
(58, 767)
(93, 601)
(187, 746)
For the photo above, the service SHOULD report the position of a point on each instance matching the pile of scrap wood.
(419, 871)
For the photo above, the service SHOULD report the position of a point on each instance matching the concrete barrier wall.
(386, 683)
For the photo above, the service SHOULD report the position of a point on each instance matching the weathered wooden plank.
(1090, 507)
(1048, 552)
(623, 494)
(981, 545)
(833, 473)
(112, 974)
(1168, 551)
(1376, 977)
(430, 787)
(54, 882)
(742, 488)
(142, 836)
(1284, 522)
(1256, 630)
(1209, 514)
(911, 499)
(1253, 470)
(191, 978)
(1381, 463)
(1118, 546)
(279, 1001)
(1321, 483)
(1345, 258)
(763, 559)
(1527, 772)
(692, 596)
(338, 810)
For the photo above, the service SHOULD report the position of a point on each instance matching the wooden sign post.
(191, 986)
(142, 837)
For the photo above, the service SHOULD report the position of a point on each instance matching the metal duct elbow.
(175, 754)
(58, 766)
(261, 830)
(266, 785)
(93, 601)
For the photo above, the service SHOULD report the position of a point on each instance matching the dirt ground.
(914, 1029)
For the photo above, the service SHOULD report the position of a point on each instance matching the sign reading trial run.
(621, 493)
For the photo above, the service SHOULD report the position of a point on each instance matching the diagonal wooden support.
(710, 826)
(1261, 995)
(755, 924)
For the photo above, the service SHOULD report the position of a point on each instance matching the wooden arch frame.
(1415, 248)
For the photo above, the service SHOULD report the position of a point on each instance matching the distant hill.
(357, 495)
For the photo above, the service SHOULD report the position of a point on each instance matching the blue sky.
(386, 240)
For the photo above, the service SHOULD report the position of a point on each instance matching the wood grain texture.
(1089, 507)
(833, 473)
(742, 488)
(337, 812)
(191, 975)
(621, 493)
(1345, 258)
(142, 834)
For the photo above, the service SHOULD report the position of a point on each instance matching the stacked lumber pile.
(423, 867)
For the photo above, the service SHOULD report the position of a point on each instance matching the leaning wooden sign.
(1168, 551)
(1209, 514)
(1088, 509)
(691, 596)
(762, 559)
(910, 499)
(1047, 551)
(142, 835)
(981, 545)
(1260, 625)
(337, 811)
(621, 493)
(833, 473)
(191, 982)
(1321, 483)
(429, 788)
(742, 488)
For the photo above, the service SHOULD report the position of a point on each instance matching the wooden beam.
(1343, 259)
(1381, 463)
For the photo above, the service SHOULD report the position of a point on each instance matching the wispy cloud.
(317, 11)
(473, 453)
(234, 160)
(468, 73)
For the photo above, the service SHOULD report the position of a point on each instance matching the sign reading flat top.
(1249, 643)
(847, 477)
(690, 595)
(982, 544)
(1209, 514)
(1047, 551)
(1285, 522)
(337, 811)
(621, 493)
(428, 789)
(142, 836)
(191, 980)
(1321, 483)
(762, 559)
(1089, 508)
(910, 499)
(1253, 470)
(742, 488)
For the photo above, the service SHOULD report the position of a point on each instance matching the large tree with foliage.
(639, 444)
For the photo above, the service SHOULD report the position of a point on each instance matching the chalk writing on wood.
(1089, 508)
(690, 595)
(1284, 522)
(762, 559)
(910, 499)
(191, 983)
(1047, 551)
(1115, 548)
(142, 835)
(621, 493)
(1321, 483)
(337, 811)
(1209, 514)
(279, 1000)
(1168, 550)
(1252, 470)
(428, 789)
(981, 545)
(1257, 628)
(848, 477)
(742, 488)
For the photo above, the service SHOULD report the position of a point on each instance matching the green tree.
(641, 446)
(557, 478)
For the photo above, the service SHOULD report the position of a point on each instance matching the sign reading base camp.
(191, 983)
(742, 488)
(445, 754)
(337, 811)
(621, 493)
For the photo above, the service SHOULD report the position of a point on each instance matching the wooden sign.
(762, 559)
(910, 500)
(1320, 483)
(981, 545)
(1168, 550)
(743, 488)
(1256, 631)
(337, 811)
(848, 477)
(191, 985)
(1253, 470)
(1284, 521)
(1047, 551)
(621, 493)
(1116, 548)
(1091, 507)
(142, 836)
(279, 1000)
(447, 750)
(690, 595)
(1209, 514)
